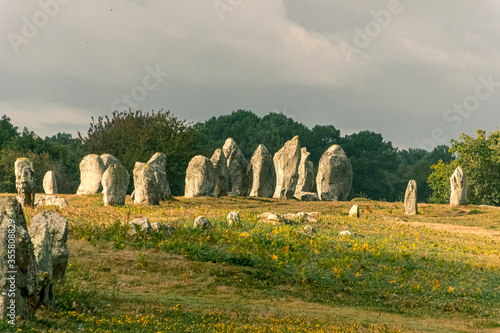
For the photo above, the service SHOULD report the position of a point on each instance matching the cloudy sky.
(419, 72)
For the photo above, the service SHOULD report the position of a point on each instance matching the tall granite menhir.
(25, 181)
(238, 169)
(150, 181)
(264, 175)
(411, 198)
(200, 177)
(222, 182)
(91, 170)
(458, 187)
(286, 164)
(334, 179)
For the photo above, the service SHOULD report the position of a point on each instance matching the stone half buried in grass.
(303, 217)
(202, 222)
(233, 218)
(142, 223)
(271, 218)
(354, 212)
(306, 196)
(159, 227)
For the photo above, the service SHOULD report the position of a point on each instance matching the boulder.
(271, 218)
(286, 164)
(222, 183)
(57, 227)
(233, 218)
(202, 222)
(306, 196)
(50, 183)
(25, 181)
(354, 212)
(302, 217)
(159, 227)
(146, 189)
(159, 164)
(42, 244)
(19, 270)
(334, 179)
(109, 160)
(411, 198)
(51, 200)
(115, 182)
(458, 188)
(200, 177)
(91, 170)
(307, 180)
(238, 169)
(142, 223)
(264, 175)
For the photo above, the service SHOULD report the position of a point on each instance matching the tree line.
(381, 171)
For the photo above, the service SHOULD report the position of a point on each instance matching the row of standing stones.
(289, 174)
(32, 259)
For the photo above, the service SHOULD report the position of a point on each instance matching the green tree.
(480, 159)
(7, 131)
(373, 160)
(136, 136)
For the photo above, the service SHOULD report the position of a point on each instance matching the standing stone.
(307, 181)
(159, 164)
(411, 198)
(458, 188)
(354, 212)
(286, 164)
(91, 170)
(233, 218)
(222, 182)
(264, 175)
(50, 183)
(238, 169)
(20, 287)
(57, 227)
(334, 179)
(109, 160)
(115, 182)
(200, 177)
(25, 182)
(145, 183)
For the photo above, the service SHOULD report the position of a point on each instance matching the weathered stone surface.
(159, 227)
(411, 198)
(25, 181)
(264, 175)
(238, 169)
(306, 196)
(150, 181)
(233, 218)
(200, 177)
(286, 165)
(20, 287)
(354, 212)
(115, 182)
(334, 179)
(271, 218)
(202, 222)
(50, 183)
(141, 223)
(307, 180)
(42, 244)
(57, 227)
(146, 189)
(91, 170)
(109, 160)
(222, 182)
(51, 200)
(159, 164)
(458, 187)
(302, 217)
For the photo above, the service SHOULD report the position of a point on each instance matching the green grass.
(438, 271)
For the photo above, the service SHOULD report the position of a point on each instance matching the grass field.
(438, 271)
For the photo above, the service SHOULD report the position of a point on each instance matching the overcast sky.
(419, 72)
